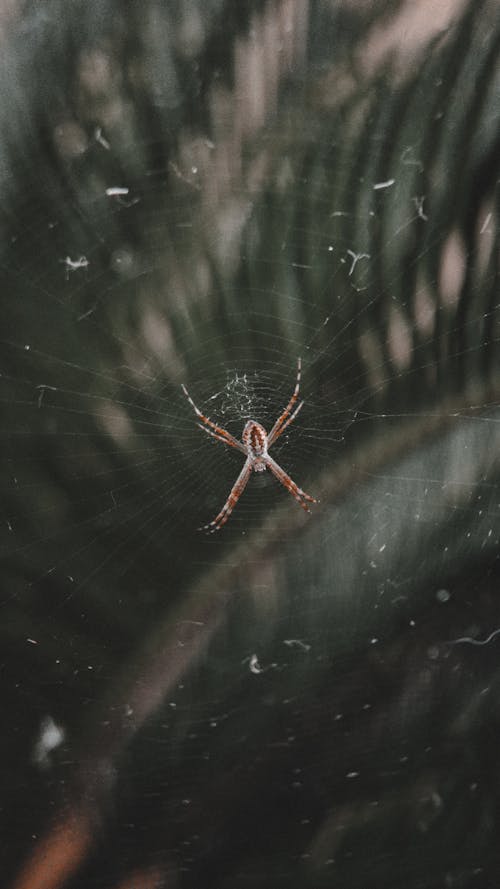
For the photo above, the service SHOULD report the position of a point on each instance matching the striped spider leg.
(255, 444)
(234, 495)
(213, 430)
(287, 417)
(301, 497)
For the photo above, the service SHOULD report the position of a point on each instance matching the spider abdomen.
(255, 440)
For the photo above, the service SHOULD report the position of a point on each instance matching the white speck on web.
(468, 640)
(100, 138)
(297, 643)
(51, 736)
(443, 595)
(485, 224)
(419, 204)
(182, 176)
(43, 387)
(116, 191)
(72, 265)
(387, 184)
(119, 192)
(254, 665)
(355, 259)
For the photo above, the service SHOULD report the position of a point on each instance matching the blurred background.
(200, 193)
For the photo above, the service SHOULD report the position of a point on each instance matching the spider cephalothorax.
(255, 444)
(255, 440)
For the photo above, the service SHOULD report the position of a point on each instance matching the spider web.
(135, 262)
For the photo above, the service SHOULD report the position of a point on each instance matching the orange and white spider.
(254, 445)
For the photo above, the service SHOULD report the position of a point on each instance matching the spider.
(255, 445)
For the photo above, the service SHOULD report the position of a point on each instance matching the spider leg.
(218, 432)
(291, 418)
(300, 495)
(234, 496)
(285, 419)
(217, 436)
